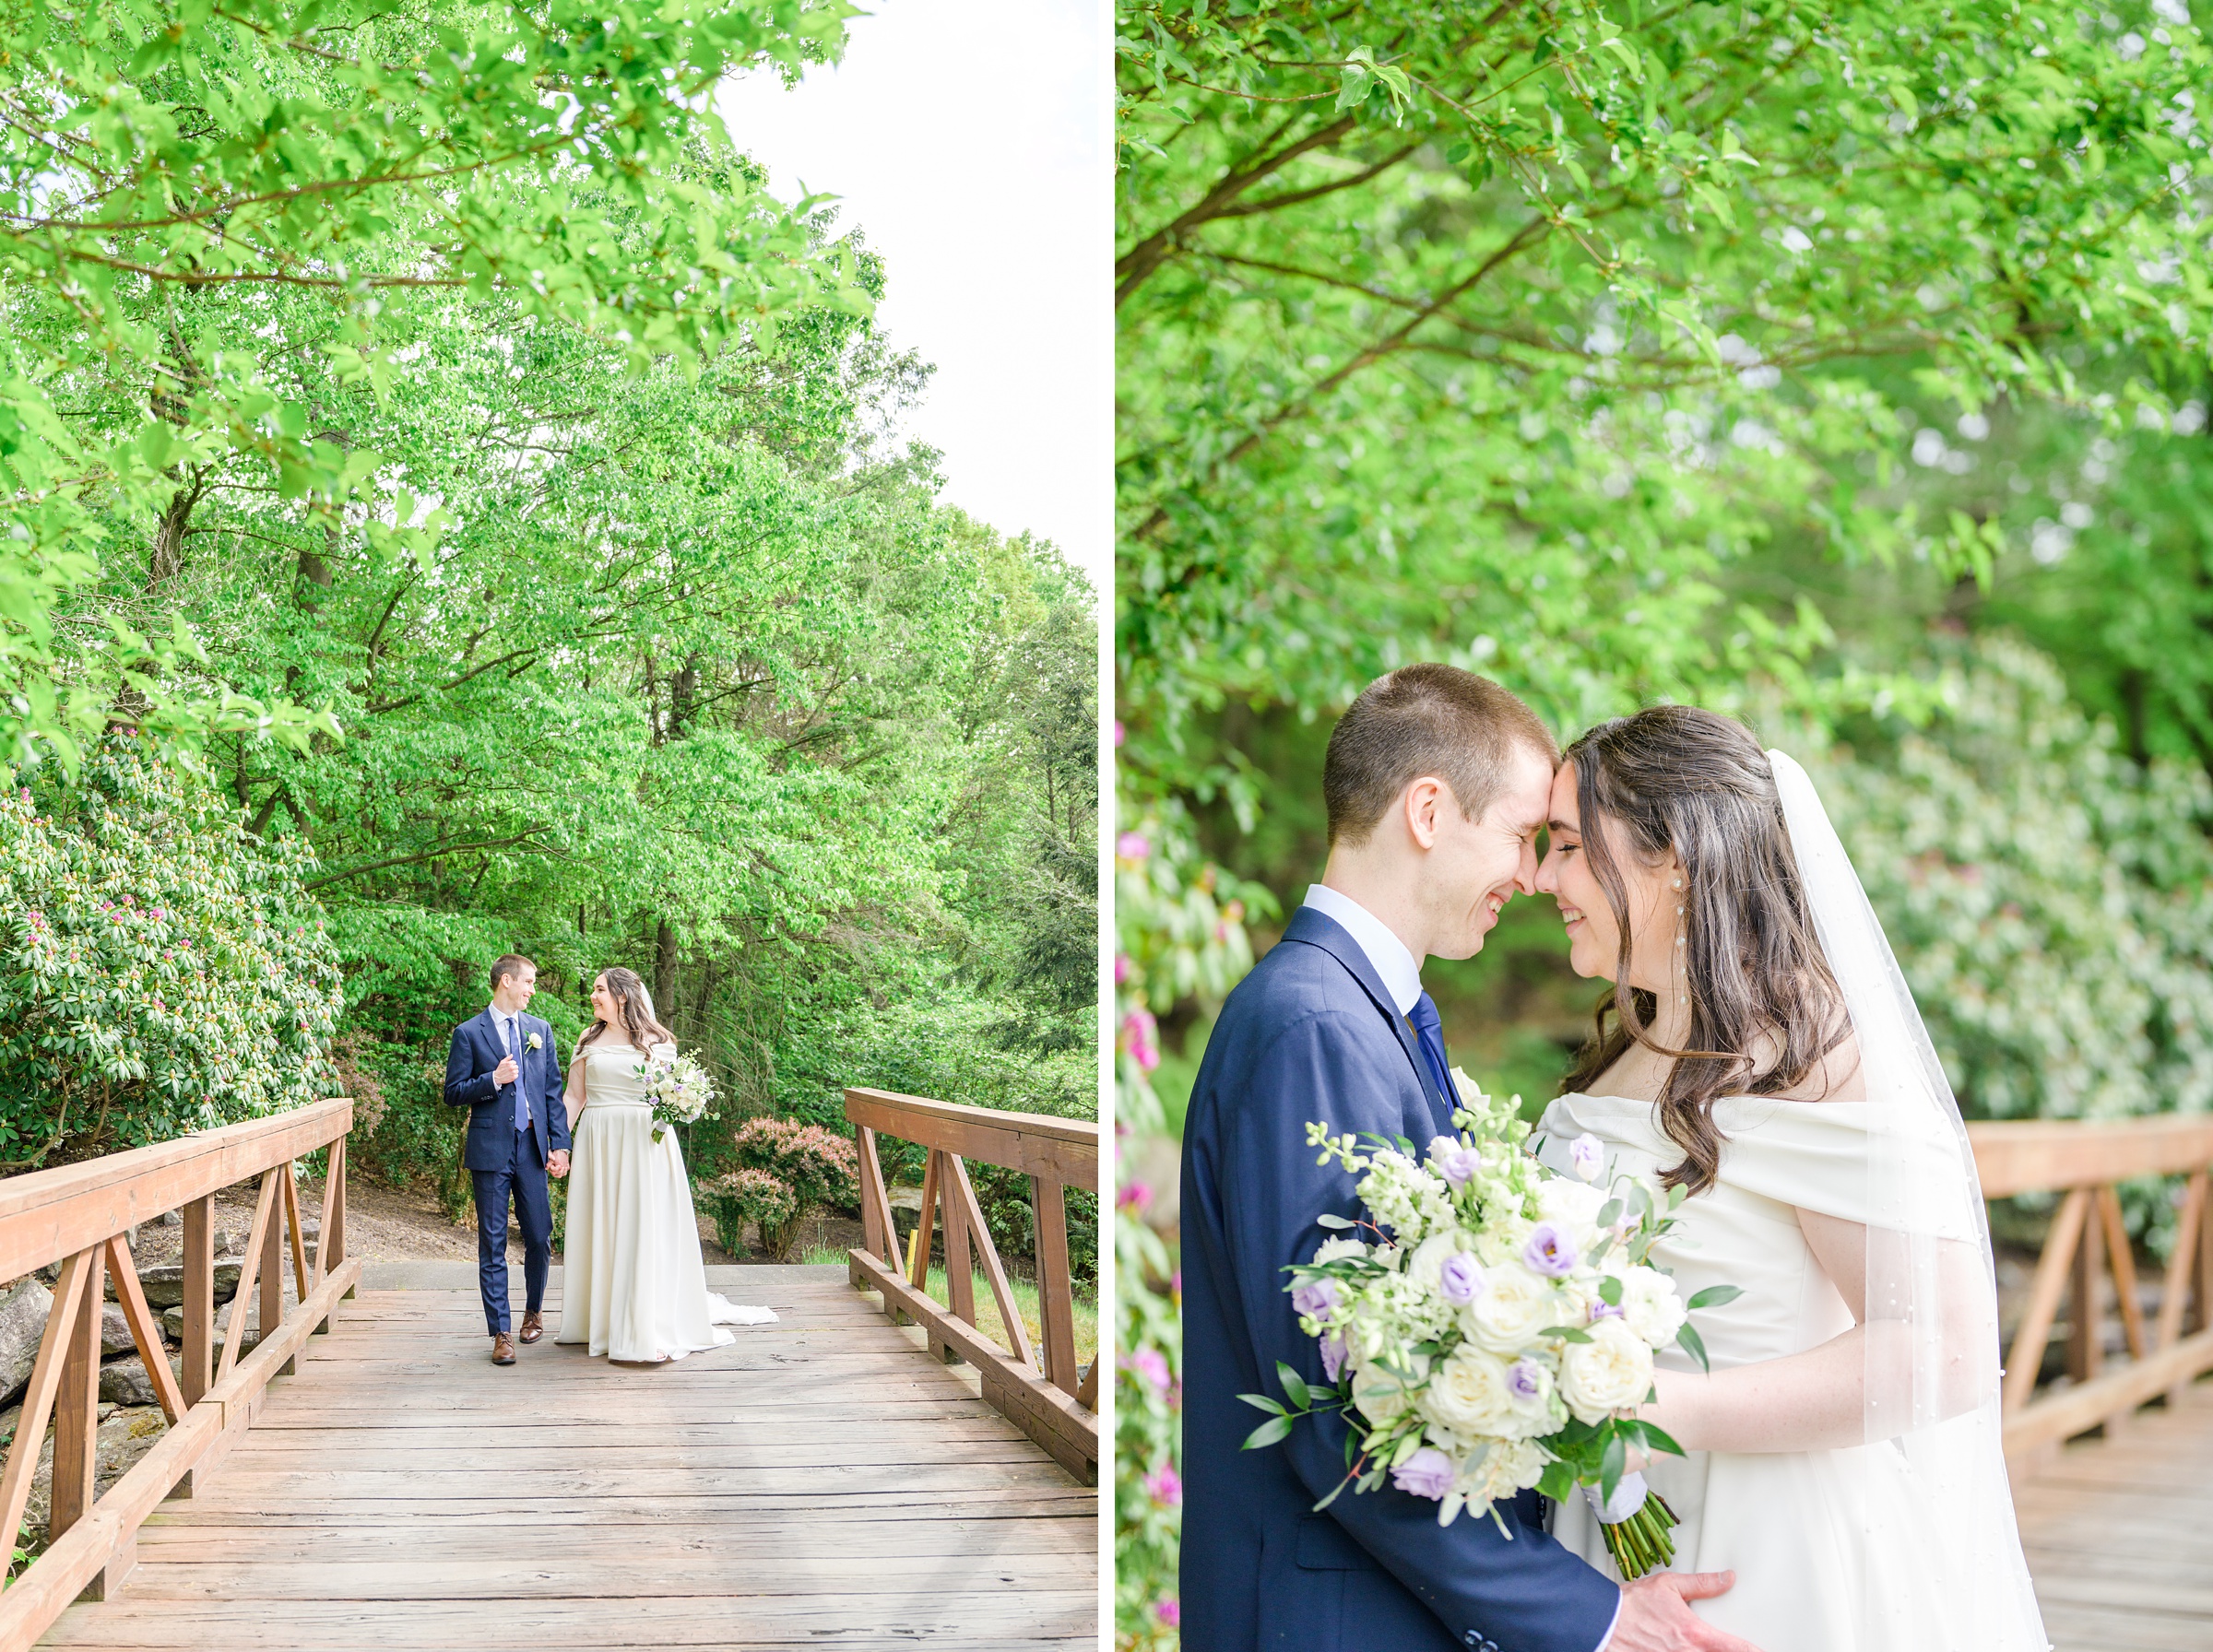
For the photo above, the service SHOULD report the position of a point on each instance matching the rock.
(23, 1311)
(164, 1282)
(127, 1433)
(170, 1219)
(172, 1322)
(115, 1333)
(125, 1382)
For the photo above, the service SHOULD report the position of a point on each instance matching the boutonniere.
(533, 1042)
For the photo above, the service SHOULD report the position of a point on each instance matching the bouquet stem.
(1645, 1541)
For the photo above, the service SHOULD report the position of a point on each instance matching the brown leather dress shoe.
(503, 1351)
(534, 1326)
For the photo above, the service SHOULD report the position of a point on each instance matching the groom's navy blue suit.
(503, 1161)
(1311, 1034)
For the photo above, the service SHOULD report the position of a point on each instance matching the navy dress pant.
(524, 1182)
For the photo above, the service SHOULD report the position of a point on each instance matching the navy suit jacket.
(475, 1053)
(1311, 1035)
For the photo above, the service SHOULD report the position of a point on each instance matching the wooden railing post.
(2086, 1338)
(199, 1298)
(334, 1231)
(1056, 1290)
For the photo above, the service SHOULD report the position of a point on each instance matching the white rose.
(1512, 1307)
(1649, 1306)
(1469, 1395)
(1381, 1395)
(1429, 1258)
(1610, 1373)
(1571, 1205)
(1505, 1469)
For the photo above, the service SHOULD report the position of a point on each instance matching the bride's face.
(1593, 937)
(603, 1004)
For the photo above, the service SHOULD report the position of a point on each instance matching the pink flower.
(1122, 967)
(1139, 1035)
(1149, 1364)
(1120, 734)
(1133, 847)
(1135, 1197)
(1164, 1486)
(1169, 1613)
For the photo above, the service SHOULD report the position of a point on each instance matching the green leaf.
(1713, 1296)
(1263, 1402)
(1294, 1385)
(1694, 1345)
(1268, 1434)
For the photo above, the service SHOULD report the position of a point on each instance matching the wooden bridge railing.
(77, 1216)
(2086, 1244)
(1055, 1406)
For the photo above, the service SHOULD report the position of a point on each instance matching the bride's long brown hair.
(1763, 1009)
(634, 1005)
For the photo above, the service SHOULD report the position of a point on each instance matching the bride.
(633, 1285)
(1761, 1049)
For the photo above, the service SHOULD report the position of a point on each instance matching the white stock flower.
(1649, 1306)
(1610, 1373)
(1507, 1468)
(1469, 1395)
(1402, 1195)
(1336, 1250)
(1512, 1307)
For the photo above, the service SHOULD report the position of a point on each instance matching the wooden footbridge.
(2115, 1500)
(364, 1477)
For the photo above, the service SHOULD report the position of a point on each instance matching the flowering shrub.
(813, 1166)
(160, 971)
(745, 1198)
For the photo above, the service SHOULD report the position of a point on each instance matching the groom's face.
(1475, 865)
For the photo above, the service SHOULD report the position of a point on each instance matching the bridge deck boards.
(2120, 1535)
(820, 1481)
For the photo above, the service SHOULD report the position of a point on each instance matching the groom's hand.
(505, 1073)
(1654, 1618)
(557, 1164)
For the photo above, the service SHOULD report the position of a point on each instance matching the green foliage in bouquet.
(160, 971)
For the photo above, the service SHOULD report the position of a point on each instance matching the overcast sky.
(969, 140)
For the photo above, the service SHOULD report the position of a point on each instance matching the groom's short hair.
(1425, 719)
(507, 964)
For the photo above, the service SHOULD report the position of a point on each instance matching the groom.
(506, 1068)
(1436, 784)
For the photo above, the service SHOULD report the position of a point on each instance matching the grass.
(987, 1308)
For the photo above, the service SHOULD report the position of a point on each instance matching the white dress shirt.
(510, 1035)
(1401, 973)
(1399, 970)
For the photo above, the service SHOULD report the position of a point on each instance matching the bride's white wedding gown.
(632, 1284)
(1863, 1550)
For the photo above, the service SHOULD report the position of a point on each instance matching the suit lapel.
(1317, 928)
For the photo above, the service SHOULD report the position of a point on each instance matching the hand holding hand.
(557, 1164)
(506, 1072)
(1654, 1618)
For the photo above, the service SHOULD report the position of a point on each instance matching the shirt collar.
(1395, 965)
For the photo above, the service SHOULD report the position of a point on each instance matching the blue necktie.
(1429, 1033)
(522, 1096)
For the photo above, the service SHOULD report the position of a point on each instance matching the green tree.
(163, 166)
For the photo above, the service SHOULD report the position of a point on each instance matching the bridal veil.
(1931, 1309)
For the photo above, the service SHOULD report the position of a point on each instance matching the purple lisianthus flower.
(1525, 1380)
(1604, 1310)
(1427, 1473)
(1334, 1352)
(1587, 1156)
(1549, 1252)
(1457, 1164)
(1461, 1280)
(1164, 1486)
(1316, 1299)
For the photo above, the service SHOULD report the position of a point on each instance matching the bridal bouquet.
(679, 1088)
(1487, 1325)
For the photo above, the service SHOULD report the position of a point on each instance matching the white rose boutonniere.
(534, 1043)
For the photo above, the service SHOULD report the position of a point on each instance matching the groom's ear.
(1423, 803)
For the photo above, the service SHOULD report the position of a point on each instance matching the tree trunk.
(169, 538)
(664, 971)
